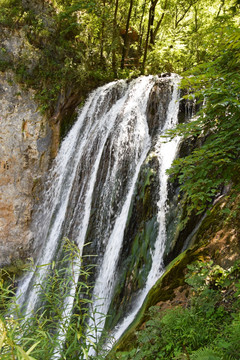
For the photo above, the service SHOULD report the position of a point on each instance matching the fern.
(205, 354)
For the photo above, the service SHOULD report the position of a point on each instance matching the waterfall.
(91, 186)
(166, 151)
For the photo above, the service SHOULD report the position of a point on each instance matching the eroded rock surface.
(25, 150)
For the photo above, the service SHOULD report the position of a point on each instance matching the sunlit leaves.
(215, 162)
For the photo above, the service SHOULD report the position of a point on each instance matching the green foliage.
(208, 328)
(59, 52)
(185, 37)
(39, 335)
(205, 354)
(10, 12)
(226, 346)
(216, 162)
(5, 61)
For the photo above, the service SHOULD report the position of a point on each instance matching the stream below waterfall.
(99, 183)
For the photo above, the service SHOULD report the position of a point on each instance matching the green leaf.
(32, 347)
(24, 354)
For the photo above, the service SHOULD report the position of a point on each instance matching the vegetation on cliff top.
(81, 44)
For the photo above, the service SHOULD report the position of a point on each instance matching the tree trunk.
(141, 29)
(159, 22)
(125, 45)
(102, 62)
(114, 38)
(154, 3)
(150, 24)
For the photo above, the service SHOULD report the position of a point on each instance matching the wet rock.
(157, 106)
(139, 238)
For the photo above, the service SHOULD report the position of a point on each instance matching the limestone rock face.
(25, 152)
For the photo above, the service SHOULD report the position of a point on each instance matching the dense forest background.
(77, 41)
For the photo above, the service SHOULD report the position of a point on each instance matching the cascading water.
(166, 151)
(92, 184)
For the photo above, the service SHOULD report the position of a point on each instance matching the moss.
(178, 230)
(14, 270)
(211, 224)
(4, 65)
(139, 239)
(135, 271)
(224, 214)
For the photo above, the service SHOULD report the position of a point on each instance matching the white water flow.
(103, 288)
(131, 130)
(111, 125)
(166, 152)
(89, 192)
(51, 218)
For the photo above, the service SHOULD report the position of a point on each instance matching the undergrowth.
(208, 328)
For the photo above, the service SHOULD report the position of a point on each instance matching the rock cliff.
(25, 152)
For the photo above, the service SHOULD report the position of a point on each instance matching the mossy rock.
(14, 270)
(8, 280)
(218, 228)
(163, 290)
(139, 240)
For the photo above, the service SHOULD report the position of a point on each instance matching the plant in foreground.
(52, 331)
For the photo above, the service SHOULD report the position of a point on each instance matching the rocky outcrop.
(25, 152)
(217, 239)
